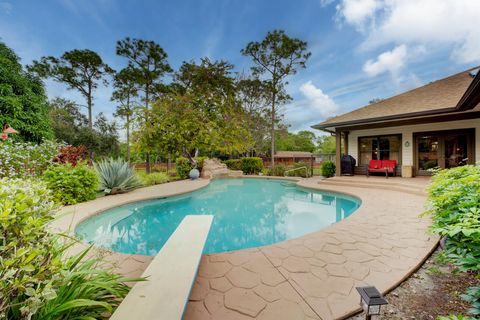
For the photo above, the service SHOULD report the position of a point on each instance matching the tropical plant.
(116, 176)
(85, 290)
(252, 165)
(23, 102)
(328, 169)
(71, 185)
(37, 279)
(153, 178)
(26, 159)
(234, 164)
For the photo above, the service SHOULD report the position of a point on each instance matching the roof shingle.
(437, 95)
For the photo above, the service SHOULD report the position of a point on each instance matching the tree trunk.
(128, 138)
(147, 154)
(90, 107)
(272, 152)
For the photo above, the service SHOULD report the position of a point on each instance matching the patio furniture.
(382, 166)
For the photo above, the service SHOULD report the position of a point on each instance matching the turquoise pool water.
(247, 213)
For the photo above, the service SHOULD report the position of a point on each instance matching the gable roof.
(450, 94)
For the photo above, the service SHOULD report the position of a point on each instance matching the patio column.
(345, 142)
(338, 151)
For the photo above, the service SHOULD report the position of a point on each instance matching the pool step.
(415, 190)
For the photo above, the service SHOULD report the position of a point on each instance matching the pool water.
(247, 213)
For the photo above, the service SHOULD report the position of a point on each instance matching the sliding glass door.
(443, 149)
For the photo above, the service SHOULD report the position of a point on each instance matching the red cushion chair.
(383, 166)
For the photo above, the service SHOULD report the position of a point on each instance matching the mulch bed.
(434, 290)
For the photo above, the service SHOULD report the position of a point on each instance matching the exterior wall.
(407, 135)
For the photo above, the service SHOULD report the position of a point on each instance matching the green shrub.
(37, 281)
(328, 169)
(454, 203)
(304, 170)
(153, 178)
(116, 176)
(70, 185)
(234, 164)
(183, 166)
(277, 170)
(252, 165)
(473, 297)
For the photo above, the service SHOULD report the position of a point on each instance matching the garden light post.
(371, 301)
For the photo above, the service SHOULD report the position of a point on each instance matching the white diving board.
(170, 275)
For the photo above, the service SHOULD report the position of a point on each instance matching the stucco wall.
(407, 135)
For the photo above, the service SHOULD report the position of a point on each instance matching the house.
(291, 157)
(436, 125)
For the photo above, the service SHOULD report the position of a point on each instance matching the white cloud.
(315, 106)
(358, 12)
(447, 24)
(390, 61)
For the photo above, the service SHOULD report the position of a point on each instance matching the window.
(379, 148)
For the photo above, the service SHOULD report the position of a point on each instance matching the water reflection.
(248, 213)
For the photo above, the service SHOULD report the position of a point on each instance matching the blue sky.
(361, 49)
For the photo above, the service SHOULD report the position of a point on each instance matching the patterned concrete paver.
(314, 276)
(311, 277)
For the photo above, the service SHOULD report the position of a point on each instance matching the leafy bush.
(234, 164)
(116, 176)
(26, 159)
(26, 252)
(153, 178)
(37, 281)
(252, 165)
(473, 296)
(70, 185)
(277, 170)
(456, 317)
(328, 169)
(72, 155)
(183, 166)
(454, 203)
(304, 172)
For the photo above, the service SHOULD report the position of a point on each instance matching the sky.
(361, 49)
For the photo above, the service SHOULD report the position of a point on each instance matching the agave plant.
(116, 176)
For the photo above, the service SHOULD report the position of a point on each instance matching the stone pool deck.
(311, 277)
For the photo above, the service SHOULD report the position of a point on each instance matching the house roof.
(292, 154)
(439, 96)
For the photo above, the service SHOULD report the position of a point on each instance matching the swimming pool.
(247, 213)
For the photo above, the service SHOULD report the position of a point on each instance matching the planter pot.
(194, 174)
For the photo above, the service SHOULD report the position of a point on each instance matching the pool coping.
(277, 256)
